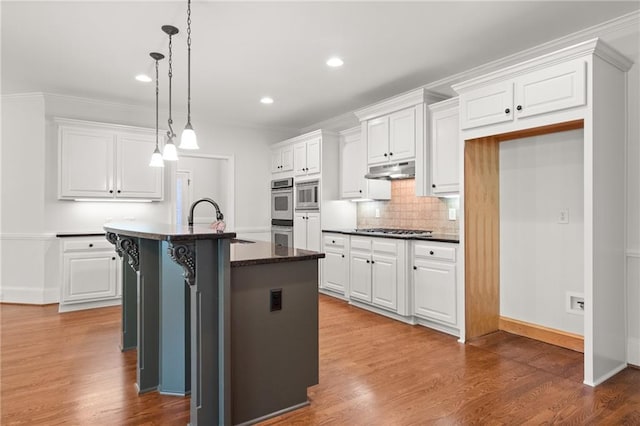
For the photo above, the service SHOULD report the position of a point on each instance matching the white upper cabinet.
(282, 159)
(353, 167)
(445, 141)
(306, 157)
(106, 161)
(394, 130)
(542, 91)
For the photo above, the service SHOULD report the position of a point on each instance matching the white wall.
(540, 259)
(32, 214)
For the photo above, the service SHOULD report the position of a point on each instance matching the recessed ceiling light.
(143, 78)
(335, 62)
(266, 100)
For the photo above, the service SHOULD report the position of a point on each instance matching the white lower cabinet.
(91, 274)
(434, 282)
(335, 265)
(374, 273)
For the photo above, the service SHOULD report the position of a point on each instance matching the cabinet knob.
(390, 154)
(111, 191)
(433, 185)
(415, 268)
(113, 258)
(519, 107)
(119, 191)
(368, 261)
(333, 241)
(385, 154)
(91, 245)
(360, 191)
(372, 262)
(343, 255)
(431, 252)
(507, 111)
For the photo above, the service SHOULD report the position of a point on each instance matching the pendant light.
(188, 139)
(156, 158)
(170, 153)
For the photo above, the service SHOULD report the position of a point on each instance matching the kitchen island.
(241, 336)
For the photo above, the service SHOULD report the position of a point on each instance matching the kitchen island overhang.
(223, 320)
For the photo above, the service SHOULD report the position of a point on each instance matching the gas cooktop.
(393, 231)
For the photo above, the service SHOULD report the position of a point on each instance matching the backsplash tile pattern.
(407, 211)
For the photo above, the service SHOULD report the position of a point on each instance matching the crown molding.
(396, 103)
(628, 22)
(443, 105)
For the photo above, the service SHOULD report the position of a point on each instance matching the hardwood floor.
(67, 369)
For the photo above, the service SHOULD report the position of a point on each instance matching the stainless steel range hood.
(400, 170)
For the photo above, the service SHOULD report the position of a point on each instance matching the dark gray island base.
(250, 359)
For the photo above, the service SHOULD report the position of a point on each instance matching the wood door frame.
(482, 225)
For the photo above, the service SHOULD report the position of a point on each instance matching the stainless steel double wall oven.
(282, 212)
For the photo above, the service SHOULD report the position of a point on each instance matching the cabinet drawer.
(388, 246)
(435, 252)
(360, 244)
(334, 241)
(88, 244)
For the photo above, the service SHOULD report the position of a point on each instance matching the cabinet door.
(360, 276)
(135, 179)
(89, 276)
(402, 135)
(300, 159)
(287, 159)
(86, 167)
(313, 156)
(300, 230)
(487, 105)
(377, 140)
(276, 161)
(435, 291)
(353, 166)
(385, 281)
(445, 140)
(551, 89)
(335, 271)
(314, 232)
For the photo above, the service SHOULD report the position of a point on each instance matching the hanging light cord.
(157, 91)
(170, 132)
(189, 62)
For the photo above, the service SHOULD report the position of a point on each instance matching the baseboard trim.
(29, 296)
(552, 336)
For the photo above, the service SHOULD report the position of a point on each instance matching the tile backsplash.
(407, 211)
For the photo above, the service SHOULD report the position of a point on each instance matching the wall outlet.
(563, 216)
(453, 214)
(377, 212)
(275, 299)
(575, 303)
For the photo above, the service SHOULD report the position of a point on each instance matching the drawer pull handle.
(431, 252)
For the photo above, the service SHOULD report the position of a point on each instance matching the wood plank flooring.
(67, 369)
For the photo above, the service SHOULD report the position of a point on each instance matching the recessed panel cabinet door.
(377, 131)
(385, 281)
(487, 105)
(135, 179)
(90, 276)
(402, 134)
(313, 156)
(360, 276)
(300, 159)
(86, 163)
(300, 230)
(445, 140)
(314, 232)
(335, 271)
(435, 291)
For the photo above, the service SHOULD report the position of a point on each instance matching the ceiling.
(242, 51)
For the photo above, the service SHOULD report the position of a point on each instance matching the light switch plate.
(563, 216)
(452, 214)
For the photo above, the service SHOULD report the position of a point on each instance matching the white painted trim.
(27, 237)
(633, 351)
(607, 376)
(29, 296)
(633, 253)
(397, 103)
(629, 21)
(445, 105)
(62, 121)
(71, 307)
(351, 132)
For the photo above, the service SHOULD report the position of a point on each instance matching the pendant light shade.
(156, 157)
(188, 139)
(170, 153)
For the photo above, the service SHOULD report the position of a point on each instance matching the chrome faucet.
(219, 215)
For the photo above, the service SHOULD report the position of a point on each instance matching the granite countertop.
(165, 231)
(444, 238)
(244, 253)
